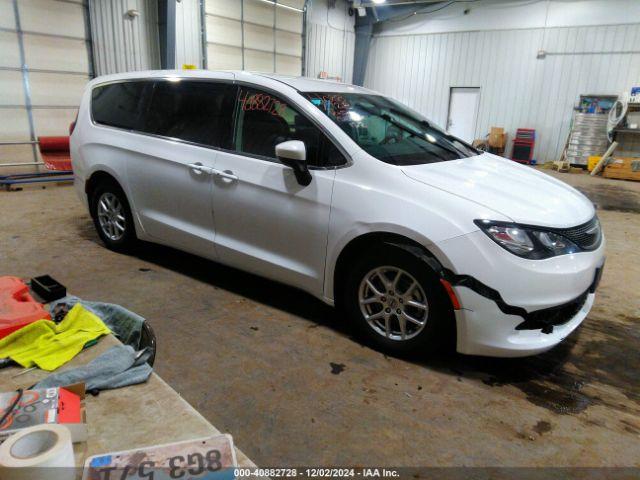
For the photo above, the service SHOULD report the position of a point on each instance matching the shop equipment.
(523, 145)
(55, 157)
(588, 132)
(623, 126)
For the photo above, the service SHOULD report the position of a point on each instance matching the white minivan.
(346, 194)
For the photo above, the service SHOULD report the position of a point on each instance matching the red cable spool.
(55, 153)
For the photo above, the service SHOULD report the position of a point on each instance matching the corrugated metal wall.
(188, 34)
(517, 89)
(329, 50)
(123, 43)
(330, 40)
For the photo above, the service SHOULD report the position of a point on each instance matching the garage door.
(44, 67)
(255, 35)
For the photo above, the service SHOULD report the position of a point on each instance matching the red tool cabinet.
(523, 145)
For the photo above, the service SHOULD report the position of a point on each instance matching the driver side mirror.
(293, 154)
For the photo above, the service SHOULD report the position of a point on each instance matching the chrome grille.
(586, 236)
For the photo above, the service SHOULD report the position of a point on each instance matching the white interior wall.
(188, 34)
(330, 40)
(514, 14)
(493, 48)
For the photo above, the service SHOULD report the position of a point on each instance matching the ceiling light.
(378, 2)
(281, 5)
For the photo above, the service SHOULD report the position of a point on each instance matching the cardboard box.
(479, 143)
(497, 137)
(64, 406)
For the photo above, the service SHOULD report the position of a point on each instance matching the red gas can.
(17, 307)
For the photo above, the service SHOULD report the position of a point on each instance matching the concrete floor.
(280, 371)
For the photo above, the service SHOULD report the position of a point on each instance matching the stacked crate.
(588, 137)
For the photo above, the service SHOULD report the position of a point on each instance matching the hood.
(521, 193)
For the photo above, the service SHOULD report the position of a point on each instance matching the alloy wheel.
(393, 303)
(111, 216)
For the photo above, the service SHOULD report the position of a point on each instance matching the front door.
(171, 178)
(463, 112)
(266, 222)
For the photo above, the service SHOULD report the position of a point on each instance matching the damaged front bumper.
(512, 307)
(484, 331)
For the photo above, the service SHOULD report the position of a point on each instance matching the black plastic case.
(47, 288)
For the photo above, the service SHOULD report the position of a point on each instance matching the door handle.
(199, 169)
(228, 174)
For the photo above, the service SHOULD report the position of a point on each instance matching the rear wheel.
(397, 302)
(112, 216)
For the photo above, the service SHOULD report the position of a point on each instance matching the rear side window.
(194, 111)
(119, 104)
(264, 120)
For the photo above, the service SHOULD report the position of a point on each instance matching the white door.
(170, 173)
(266, 222)
(463, 112)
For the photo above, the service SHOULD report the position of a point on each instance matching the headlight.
(527, 242)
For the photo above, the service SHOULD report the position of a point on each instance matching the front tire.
(112, 216)
(397, 302)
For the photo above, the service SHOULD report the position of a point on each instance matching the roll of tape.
(43, 451)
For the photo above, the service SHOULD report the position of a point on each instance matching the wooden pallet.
(623, 168)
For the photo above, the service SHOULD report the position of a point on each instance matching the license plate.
(206, 458)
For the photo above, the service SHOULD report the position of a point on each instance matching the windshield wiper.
(412, 132)
(388, 118)
(400, 125)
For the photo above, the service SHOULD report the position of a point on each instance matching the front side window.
(119, 104)
(191, 110)
(264, 120)
(388, 130)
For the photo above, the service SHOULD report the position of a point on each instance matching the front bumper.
(482, 329)
(515, 307)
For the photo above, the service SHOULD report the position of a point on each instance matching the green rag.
(47, 345)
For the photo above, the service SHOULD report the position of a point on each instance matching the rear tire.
(414, 314)
(112, 216)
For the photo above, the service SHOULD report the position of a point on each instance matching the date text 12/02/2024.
(316, 472)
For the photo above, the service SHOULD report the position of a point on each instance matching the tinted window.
(195, 111)
(388, 130)
(264, 120)
(119, 104)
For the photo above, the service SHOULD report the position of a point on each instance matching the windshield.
(388, 130)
